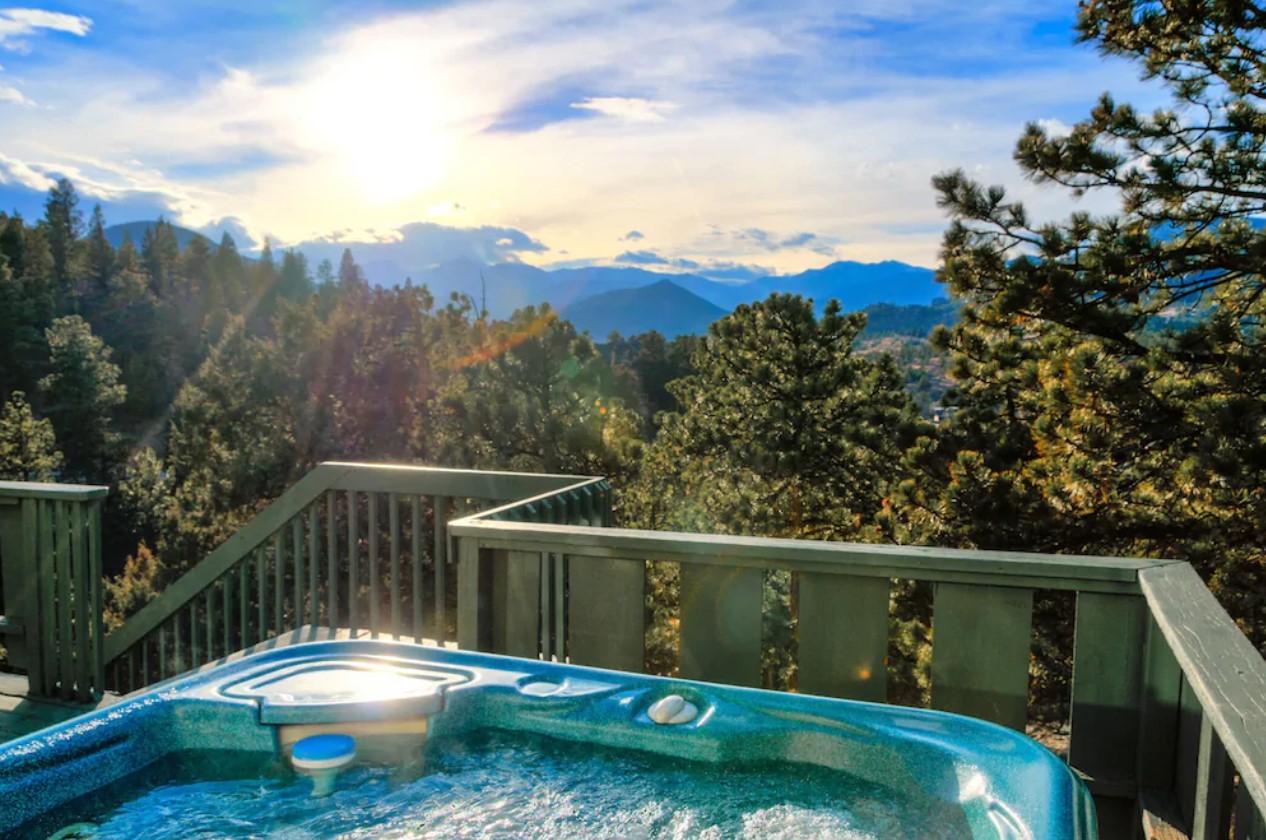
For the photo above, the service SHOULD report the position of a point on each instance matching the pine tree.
(160, 253)
(349, 273)
(1092, 419)
(28, 447)
(64, 222)
(99, 257)
(81, 393)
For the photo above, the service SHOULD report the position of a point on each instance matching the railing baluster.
(296, 537)
(144, 663)
(981, 648)
(243, 619)
(373, 565)
(441, 558)
(209, 614)
(98, 604)
(607, 604)
(353, 579)
(279, 581)
(314, 553)
(80, 582)
(162, 651)
(48, 593)
(415, 512)
(227, 618)
(720, 623)
(64, 574)
(546, 571)
(560, 608)
(194, 659)
(331, 546)
(1214, 776)
(393, 526)
(178, 654)
(261, 586)
(1108, 662)
(843, 633)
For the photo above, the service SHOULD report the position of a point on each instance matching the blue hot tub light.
(551, 749)
(321, 757)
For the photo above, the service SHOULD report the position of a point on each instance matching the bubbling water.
(510, 785)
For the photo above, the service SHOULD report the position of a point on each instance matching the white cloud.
(626, 108)
(17, 23)
(1055, 128)
(14, 96)
(16, 172)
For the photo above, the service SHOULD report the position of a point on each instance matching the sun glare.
(381, 114)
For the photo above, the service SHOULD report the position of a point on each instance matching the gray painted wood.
(522, 604)
(1225, 672)
(721, 624)
(1214, 777)
(843, 635)
(607, 613)
(1107, 677)
(981, 644)
(993, 568)
(471, 608)
(1158, 712)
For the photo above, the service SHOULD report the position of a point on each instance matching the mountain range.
(602, 299)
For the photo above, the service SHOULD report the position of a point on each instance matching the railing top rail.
(441, 481)
(918, 562)
(493, 513)
(45, 490)
(1226, 672)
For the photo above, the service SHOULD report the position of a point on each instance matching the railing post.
(19, 582)
(474, 595)
(50, 573)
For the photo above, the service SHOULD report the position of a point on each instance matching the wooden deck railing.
(1168, 705)
(50, 576)
(359, 546)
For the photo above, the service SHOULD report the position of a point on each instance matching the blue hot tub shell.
(1002, 783)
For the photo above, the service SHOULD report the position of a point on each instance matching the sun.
(380, 114)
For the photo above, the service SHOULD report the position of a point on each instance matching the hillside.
(664, 307)
(137, 230)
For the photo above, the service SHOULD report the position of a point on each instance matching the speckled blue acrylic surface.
(998, 782)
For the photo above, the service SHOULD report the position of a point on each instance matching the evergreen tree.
(228, 280)
(1091, 419)
(81, 392)
(325, 273)
(64, 222)
(293, 283)
(531, 399)
(28, 447)
(160, 253)
(99, 257)
(349, 273)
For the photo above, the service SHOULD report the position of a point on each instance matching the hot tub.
(453, 743)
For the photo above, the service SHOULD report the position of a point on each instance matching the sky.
(730, 137)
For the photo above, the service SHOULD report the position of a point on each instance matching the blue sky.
(744, 137)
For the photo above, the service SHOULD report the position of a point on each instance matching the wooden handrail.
(1226, 672)
(44, 490)
(998, 568)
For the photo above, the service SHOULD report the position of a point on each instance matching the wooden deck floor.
(21, 714)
